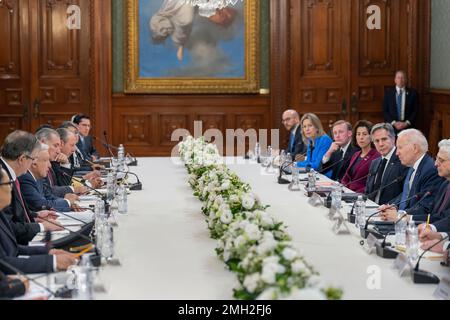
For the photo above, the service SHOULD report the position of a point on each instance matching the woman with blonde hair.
(317, 140)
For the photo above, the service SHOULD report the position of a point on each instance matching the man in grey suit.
(386, 169)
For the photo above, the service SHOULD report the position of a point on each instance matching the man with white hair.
(440, 217)
(422, 177)
(32, 187)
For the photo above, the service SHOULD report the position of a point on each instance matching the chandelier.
(208, 8)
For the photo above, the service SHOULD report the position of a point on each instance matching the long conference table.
(166, 253)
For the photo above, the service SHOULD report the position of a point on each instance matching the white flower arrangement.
(251, 242)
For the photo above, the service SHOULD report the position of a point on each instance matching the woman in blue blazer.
(318, 142)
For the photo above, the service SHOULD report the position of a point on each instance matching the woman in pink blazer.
(357, 172)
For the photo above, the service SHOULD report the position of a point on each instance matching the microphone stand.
(102, 196)
(58, 294)
(96, 259)
(387, 252)
(352, 217)
(421, 276)
(365, 232)
(136, 186)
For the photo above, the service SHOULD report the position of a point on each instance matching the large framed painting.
(175, 47)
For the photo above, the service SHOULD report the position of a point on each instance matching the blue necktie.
(406, 189)
(291, 142)
(399, 104)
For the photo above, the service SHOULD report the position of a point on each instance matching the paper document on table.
(429, 255)
(35, 293)
(88, 198)
(85, 216)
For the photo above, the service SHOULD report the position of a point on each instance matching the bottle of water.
(360, 212)
(107, 249)
(400, 230)
(412, 241)
(257, 152)
(110, 186)
(336, 197)
(84, 281)
(311, 181)
(122, 202)
(120, 158)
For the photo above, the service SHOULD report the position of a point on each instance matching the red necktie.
(50, 177)
(21, 200)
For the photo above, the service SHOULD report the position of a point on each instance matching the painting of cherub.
(177, 40)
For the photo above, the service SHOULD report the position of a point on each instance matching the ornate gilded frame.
(248, 84)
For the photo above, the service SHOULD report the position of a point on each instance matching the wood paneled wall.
(323, 59)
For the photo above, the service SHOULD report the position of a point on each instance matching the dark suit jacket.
(411, 105)
(24, 231)
(439, 220)
(58, 191)
(443, 225)
(87, 148)
(33, 194)
(353, 179)
(61, 179)
(426, 179)
(299, 145)
(10, 288)
(338, 170)
(394, 169)
(39, 261)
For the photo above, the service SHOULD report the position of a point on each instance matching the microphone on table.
(283, 166)
(351, 216)
(83, 182)
(60, 293)
(109, 146)
(96, 259)
(386, 252)
(136, 186)
(328, 196)
(365, 232)
(357, 180)
(331, 166)
(421, 276)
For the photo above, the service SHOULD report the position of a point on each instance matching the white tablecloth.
(166, 252)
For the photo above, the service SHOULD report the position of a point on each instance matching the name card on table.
(340, 225)
(402, 264)
(443, 290)
(369, 245)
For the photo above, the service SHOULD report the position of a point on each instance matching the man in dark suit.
(18, 152)
(32, 187)
(296, 145)
(422, 177)
(86, 144)
(337, 158)
(440, 216)
(401, 104)
(51, 138)
(380, 186)
(12, 287)
(35, 259)
(64, 171)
